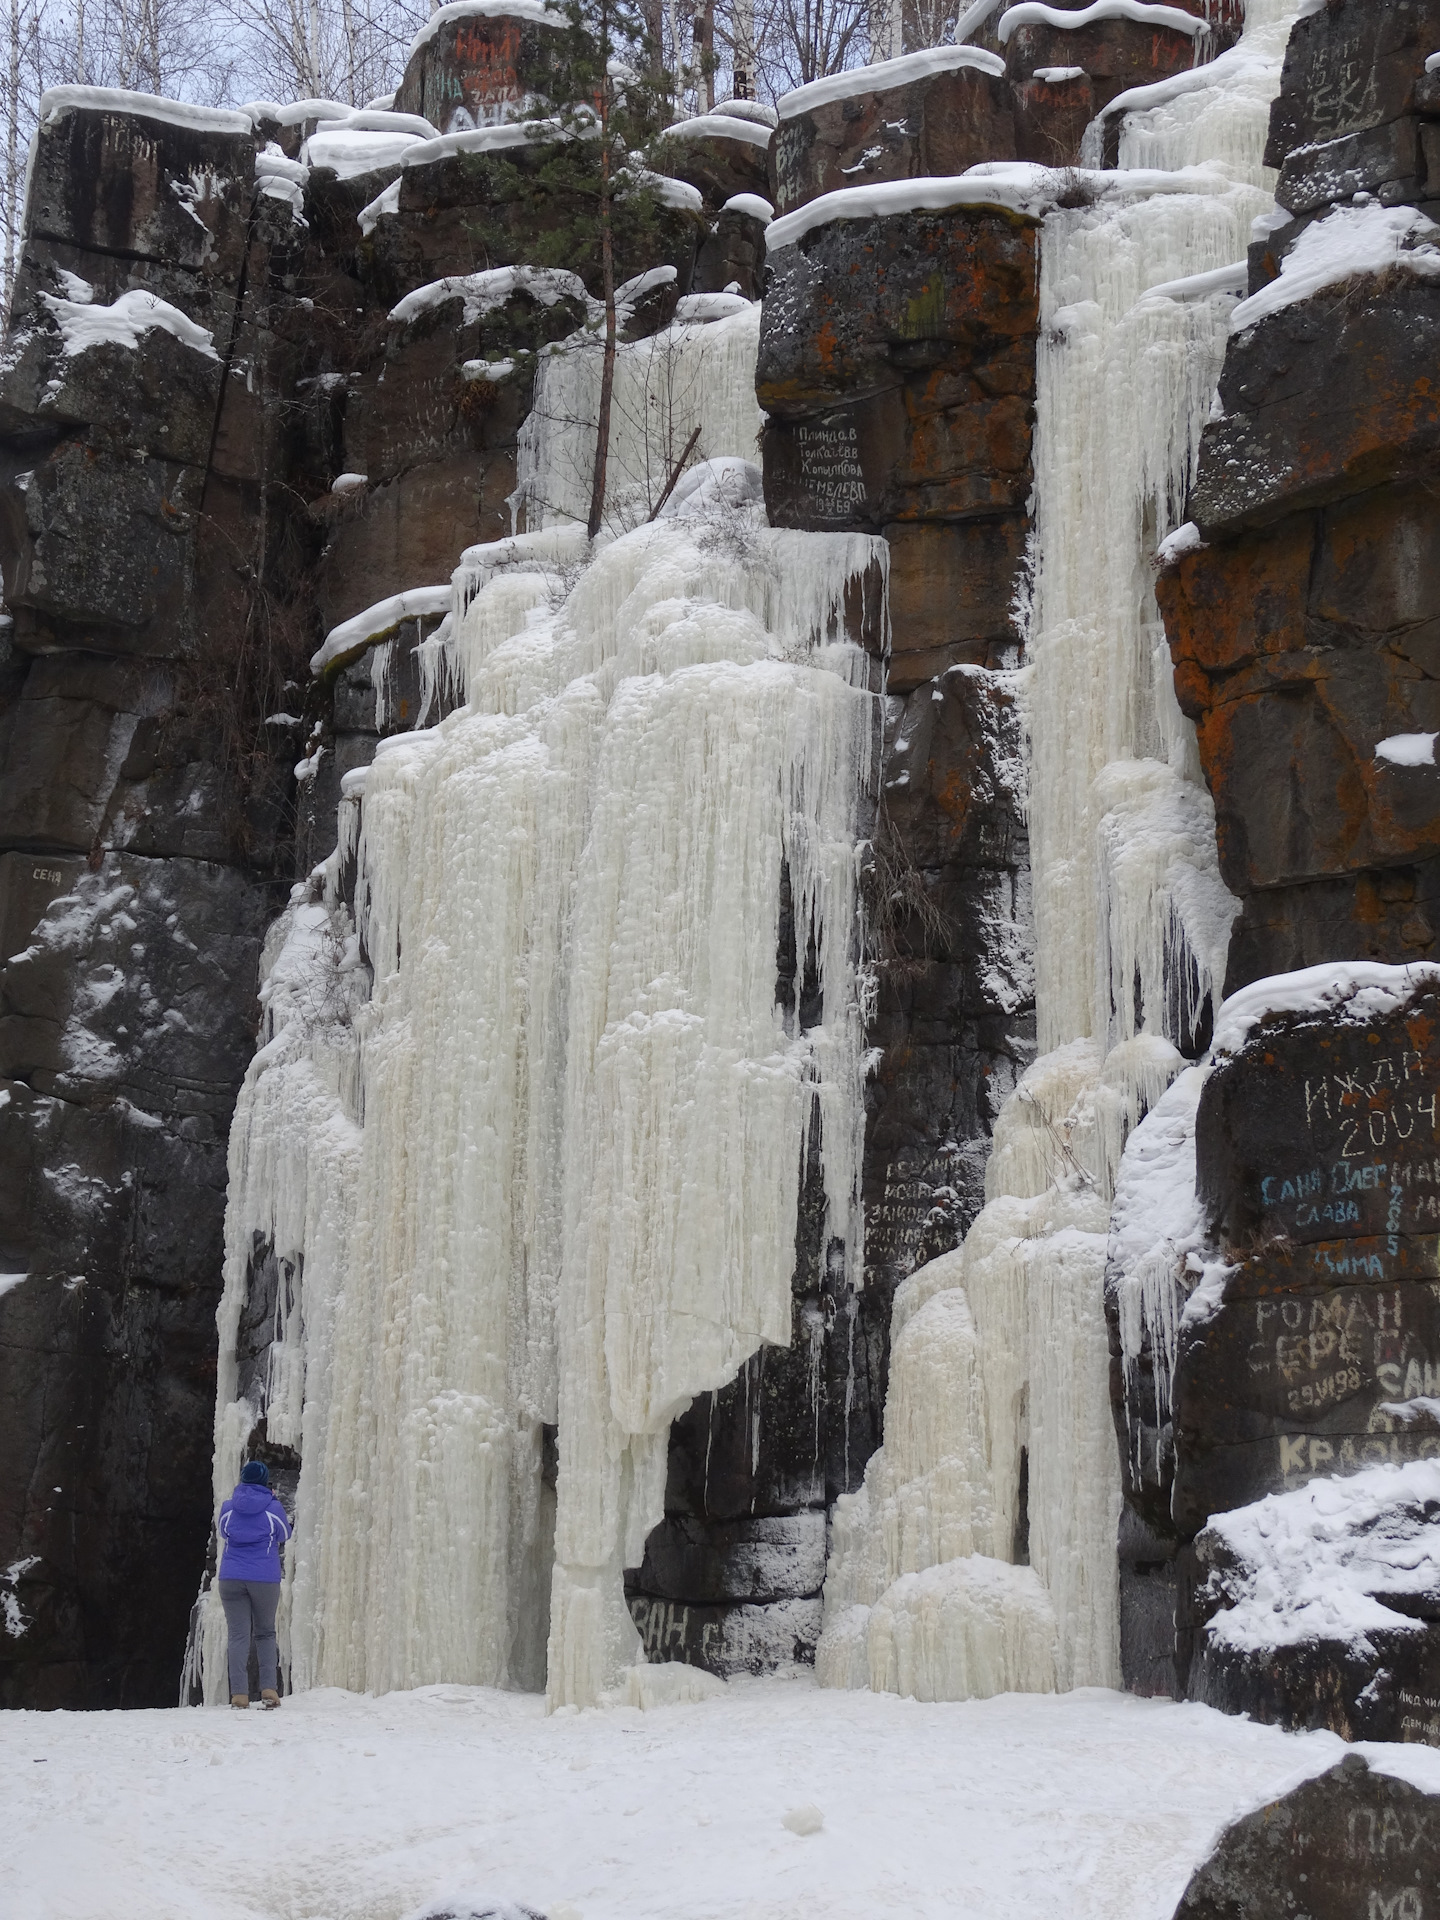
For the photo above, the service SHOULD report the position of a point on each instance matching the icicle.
(684, 377)
(1157, 1241)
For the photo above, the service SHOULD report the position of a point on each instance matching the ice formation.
(1132, 923)
(524, 1143)
(688, 376)
(526, 1137)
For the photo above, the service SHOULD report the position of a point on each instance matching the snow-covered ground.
(347, 1808)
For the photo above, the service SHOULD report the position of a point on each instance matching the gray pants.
(250, 1608)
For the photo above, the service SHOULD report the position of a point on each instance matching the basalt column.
(152, 559)
(1300, 608)
(897, 365)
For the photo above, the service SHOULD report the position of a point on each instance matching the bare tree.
(347, 50)
(23, 52)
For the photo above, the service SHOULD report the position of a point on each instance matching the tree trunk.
(607, 275)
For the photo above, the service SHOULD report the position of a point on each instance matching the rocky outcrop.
(1313, 1349)
(1318, 1163)
(1299, 609)
(469, 69)
(152, 553)
(720, 154)
(897, 365)
(1301, 620)
(930, 113)
(1353, 1841)
(897, 369)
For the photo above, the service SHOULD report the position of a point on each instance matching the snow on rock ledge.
(1319, 1606)
(1349, 991)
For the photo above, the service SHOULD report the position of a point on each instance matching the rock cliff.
(268, 376)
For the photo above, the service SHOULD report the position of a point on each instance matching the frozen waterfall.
(515, 1174)
(998, 1428)
(527, 1131)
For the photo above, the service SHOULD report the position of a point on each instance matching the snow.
(1432, 64)
(902, 72)
(295, 112)
(751, 203)
(1056, 76)
(348, 152)
(804, 1819)
(534, 12)
(755, 111)
(1229, 279)
(58, 101)
(510, 133)
(1345, 992)
(483, 293)
(1032, 14)
(1408, 749)
(1093, 1804)
(668, 191)
(84, 325)
(1317, 1563)
(387, 201)
(281, 178)
(694, 308)
(727, 482)
(492, 370)
(1021, 186)
(1351, 240)
(1175, 546)
(718, 126)
(384, 120)
(349, 482)
(361, 628)
(9, 1281)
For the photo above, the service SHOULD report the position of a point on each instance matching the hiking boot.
(269, 1698)
(239, 1699)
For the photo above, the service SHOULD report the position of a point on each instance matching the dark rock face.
(732, 255)
(1312, 1350)
(939, 123)
(1115, 55)
(1351, 1845)
(1301, 632)
(143, 819)
(477, 72)
(897, 364)
(1318, 1157)
(1353, 105)
(433, 432)
(457, 214)
(717, 163)
(897, 367)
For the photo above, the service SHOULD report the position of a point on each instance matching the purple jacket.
(252, 1525)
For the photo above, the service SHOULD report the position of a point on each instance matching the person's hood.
(248, 1498)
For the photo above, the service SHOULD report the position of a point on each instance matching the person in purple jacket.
(253, 1528)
